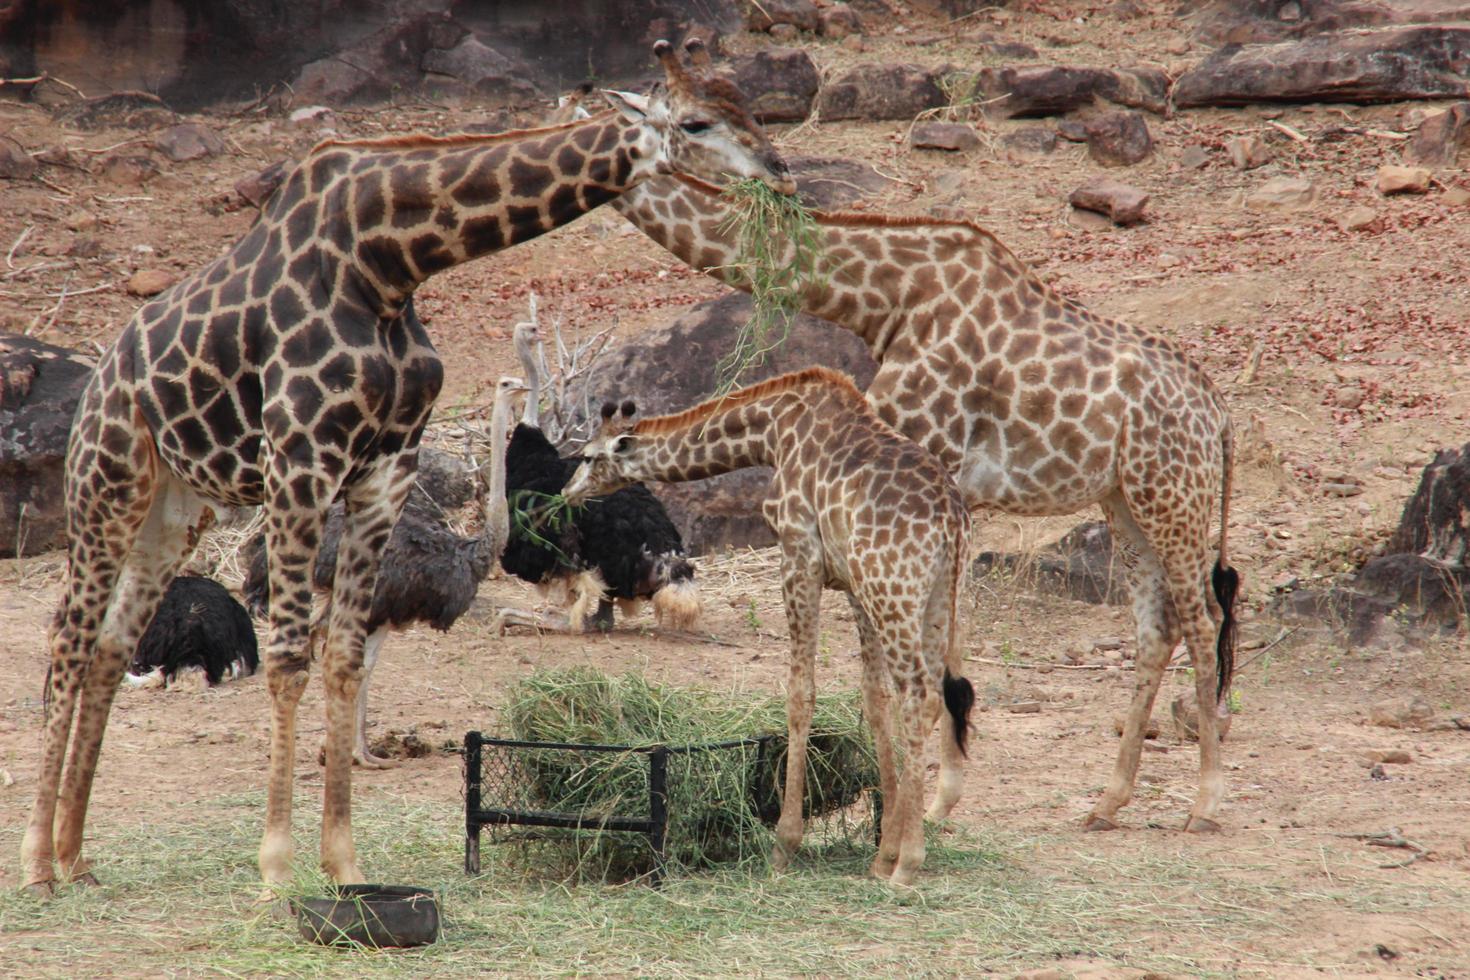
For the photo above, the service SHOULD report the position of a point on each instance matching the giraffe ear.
(623, 444)
(632, 107)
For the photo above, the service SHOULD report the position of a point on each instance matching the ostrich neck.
(527, 354)
(493, 507)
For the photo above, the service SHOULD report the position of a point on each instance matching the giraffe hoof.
(1097, 824)
(369, 761)
(86, 880)
(882, 868)
(41, 889)
(1201, 825)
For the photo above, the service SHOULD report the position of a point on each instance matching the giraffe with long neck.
(855, 507)
(1037, 406)
(292, 371)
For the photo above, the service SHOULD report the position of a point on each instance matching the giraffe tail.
(1224, 580)
(959, 693)
(959, 698)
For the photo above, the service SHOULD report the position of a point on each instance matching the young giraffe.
(292, 371)
(1037, 406)
(856, 507)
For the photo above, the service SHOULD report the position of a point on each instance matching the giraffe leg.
(879, 715)
(291, 544)
(1157, 631)
(1199, 635)
(921, 708)
(951, 757)
(373, 506)
(802, 589)
(110, 492)
(168, 536)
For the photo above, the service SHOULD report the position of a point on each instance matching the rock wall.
(196, 52)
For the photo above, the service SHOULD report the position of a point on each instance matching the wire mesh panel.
(615, 812)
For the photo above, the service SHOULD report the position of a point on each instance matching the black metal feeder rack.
(652, 821)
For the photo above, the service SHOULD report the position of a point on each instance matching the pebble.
(1194, 157)
(1282, 193)
(150, 282)
(1024, 707)
(1401, 713)
(1247, 153)
(1394, 179)
(1357, 219)
(1389, 756)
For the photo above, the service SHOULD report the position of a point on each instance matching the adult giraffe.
(1037, 406)
(292, 371)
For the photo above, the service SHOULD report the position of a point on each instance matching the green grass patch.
(177, 900)
(778, 254)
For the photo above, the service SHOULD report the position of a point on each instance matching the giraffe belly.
(1052, 486)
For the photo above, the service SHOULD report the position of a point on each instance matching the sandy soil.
(1381, 310)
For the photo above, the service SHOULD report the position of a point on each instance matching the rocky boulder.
(1383, 65)
(830, 183)
(1440, 138)
(879, 91)
(780, 83)
(1053, 90)
(40, 386)
(1259, 21)
(674, 367)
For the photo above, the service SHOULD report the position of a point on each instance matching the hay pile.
(721, 803)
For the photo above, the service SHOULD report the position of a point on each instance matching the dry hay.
(721, 803)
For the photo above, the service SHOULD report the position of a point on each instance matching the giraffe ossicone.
(293, 371)
(856, 507)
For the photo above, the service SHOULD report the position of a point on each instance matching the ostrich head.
(610, 460)
(526, 338)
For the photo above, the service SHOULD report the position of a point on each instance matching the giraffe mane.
(417, 141)
(860, 219)
(823, 376)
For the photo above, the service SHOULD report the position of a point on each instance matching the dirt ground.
(1379, 312)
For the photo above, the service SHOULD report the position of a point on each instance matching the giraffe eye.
(695, 126)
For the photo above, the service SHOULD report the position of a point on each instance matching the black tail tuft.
(1226, 582)
(959, 698)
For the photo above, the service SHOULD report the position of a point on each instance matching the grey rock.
(780, 84)
(15, 162)
(881, 91)
(944, 136)
(801, 14)
(839, 21)
(832, 182)
(1119, 139)
(1080, 566)
(1123, 204)
(1440, 138)
(1382, 65)
(188, 141)
(40, 385)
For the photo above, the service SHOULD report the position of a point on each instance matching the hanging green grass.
(778, 253)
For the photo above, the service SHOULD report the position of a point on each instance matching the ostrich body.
(429, 574)
(198, 627)
(619, 548)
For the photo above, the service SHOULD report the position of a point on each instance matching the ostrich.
(429, 574)
(621, 548)
(199, 627)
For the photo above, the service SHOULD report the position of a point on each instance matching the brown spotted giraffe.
(856, 507)
(1037, 406)
(293, 371)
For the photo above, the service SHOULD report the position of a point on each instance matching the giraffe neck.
(400, 210)
(876, 276)
(749, 427)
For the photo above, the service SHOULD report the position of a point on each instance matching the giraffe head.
(609, 459)
(698, 124)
